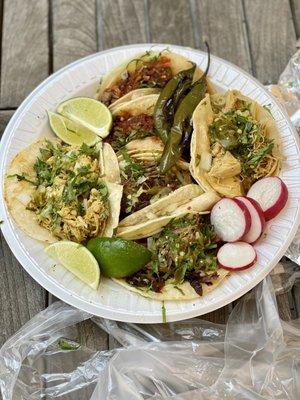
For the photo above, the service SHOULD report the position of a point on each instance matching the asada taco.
(133, 95)
(59, 192)
(184, 263)
(132, 120)
(152, 69)
(151, 219)
(234, 143)
(143, 184)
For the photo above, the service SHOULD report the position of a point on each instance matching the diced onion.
(206, 161)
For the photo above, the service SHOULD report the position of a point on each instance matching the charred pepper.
(182, 125)
(168, 99)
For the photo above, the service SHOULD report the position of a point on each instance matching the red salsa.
(150, 74)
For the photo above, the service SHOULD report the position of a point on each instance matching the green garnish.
(237, 132)
(180, 290)
(268, 108)
(68, 345)
(132, 168)
(164, 313)
(260, 154)
(185, 250)
(22, 178)
(70, 198)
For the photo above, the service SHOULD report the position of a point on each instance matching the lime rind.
(88, 112)
(78, 260)
(71, 132)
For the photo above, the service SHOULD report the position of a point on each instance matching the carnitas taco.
(148, 71)
(234, 143)
(58, 192)
(184, 264)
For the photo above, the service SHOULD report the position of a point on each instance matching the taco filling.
(185, 250)
(153, 72)
(70, 198)
(143, 184)
(238, 142)
(128, 127)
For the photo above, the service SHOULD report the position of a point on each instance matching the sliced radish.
(231, 219)
(236, 256)
(271, 193)
(257, 220)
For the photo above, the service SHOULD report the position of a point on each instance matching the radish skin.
(236, 256)
(257, 220)
(271, 193)
(231, 219)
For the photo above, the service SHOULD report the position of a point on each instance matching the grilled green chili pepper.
(169, 97)
(182, 125)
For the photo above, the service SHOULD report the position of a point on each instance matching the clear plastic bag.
(255, 356)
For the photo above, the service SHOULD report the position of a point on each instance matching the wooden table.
(41, 36)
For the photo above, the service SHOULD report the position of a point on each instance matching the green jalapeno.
(182, 125)
(169, 97)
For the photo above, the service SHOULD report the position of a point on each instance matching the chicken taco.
(152, 69)
(234, 143)
(59, 192)
(184, 263)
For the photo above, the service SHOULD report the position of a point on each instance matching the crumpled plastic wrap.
(255, 356)
(287, 91)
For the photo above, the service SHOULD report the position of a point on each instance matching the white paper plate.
(112, 301)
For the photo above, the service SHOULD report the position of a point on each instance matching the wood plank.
(271, 35)
(74, 36)
(120, 23)
(225, 31)
(295, 7)
(296, 297)
(74, 30)
(219, 316)
(171, 22)
(20, 296)
(24, 49)
(5, 116)
(283, 303)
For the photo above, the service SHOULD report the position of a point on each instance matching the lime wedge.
(71, 132)
(78, 260)
(88, 112)
(117, 257)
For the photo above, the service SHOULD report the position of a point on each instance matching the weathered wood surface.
(295, 9)
(20, 296)
(41, 37)
(272, 37)
(73, 31)
(225, 31)
(25, 52)
(121, 22)
(176, 20)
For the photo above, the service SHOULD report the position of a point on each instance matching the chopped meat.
(150, 74)
(127, 122)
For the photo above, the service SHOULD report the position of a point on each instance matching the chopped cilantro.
(259, 154)
(68, 345)
(180, 290)
(22, 178)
